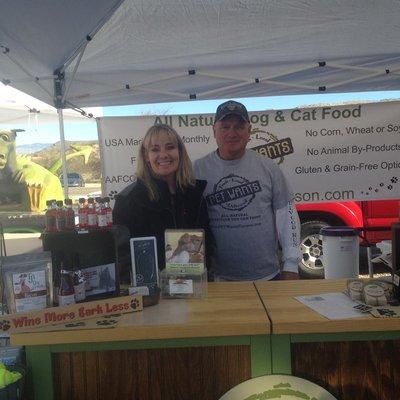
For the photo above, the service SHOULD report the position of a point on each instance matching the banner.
(329, 153)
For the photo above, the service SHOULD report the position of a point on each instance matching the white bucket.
(340, 247)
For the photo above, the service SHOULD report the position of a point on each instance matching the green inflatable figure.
(24, 185)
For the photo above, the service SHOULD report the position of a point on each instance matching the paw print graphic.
(5, 325)
(135, 304)
(112, 316)
(394, 179)
(74, 324)
(106, 322)
(112, 194)
(390, 187)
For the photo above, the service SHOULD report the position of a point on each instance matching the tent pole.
(62, 150)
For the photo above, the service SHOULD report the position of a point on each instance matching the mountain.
(50, 156)
(32, 147)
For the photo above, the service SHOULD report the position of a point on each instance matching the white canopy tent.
(18, 108)
(111, 52)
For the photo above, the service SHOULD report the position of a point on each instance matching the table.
(353, 359)
(177, 349)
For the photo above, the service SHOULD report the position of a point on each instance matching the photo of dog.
(184, 247)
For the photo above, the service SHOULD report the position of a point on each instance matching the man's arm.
(288, 227)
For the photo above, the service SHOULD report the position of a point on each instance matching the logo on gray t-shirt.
(233, 192)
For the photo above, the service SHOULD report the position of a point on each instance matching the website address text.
(334, 195)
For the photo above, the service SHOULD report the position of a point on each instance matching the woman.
(166, 195)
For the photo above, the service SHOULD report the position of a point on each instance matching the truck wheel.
(310, 265)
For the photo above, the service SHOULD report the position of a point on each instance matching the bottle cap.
(68, 202)
(82, 200)
(60, 203)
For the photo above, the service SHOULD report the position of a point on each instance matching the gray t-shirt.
(242, 196)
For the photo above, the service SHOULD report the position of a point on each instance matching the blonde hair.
(184, 175)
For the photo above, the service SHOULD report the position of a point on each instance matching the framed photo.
(144, 262)
(184, 250)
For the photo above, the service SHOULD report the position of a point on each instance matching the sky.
(39, 130)
(252, 103)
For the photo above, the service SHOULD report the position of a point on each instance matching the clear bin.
(183, 285)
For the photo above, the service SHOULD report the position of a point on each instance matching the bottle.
(60, 216)
(58, 260)
(50, 216)
(91, 214)
(82, 214)
(101, 214)
(108, 209)
(79, 281)
(97, 204)
(69, 215)
(66, 294)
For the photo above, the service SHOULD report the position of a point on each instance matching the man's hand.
(286, 276)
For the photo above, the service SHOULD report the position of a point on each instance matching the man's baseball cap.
(231, 107)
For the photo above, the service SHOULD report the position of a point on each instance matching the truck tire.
(310, 265)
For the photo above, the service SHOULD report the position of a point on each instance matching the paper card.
(99, 279)
(331, 305)
(70, 314)
(180, 286)
(141, 290)
(30, 291)
(184, 250)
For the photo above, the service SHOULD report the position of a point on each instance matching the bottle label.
(83, 219)
(50, 221)
(66, 300)
(92, 219)
(70, 222)
(56, 289)
(60, 223)
(102, 220)
(80, 293)
(109, 218)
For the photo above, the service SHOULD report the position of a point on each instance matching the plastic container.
(183, 285)
(385, 246)
(340, 247)
(10, 355)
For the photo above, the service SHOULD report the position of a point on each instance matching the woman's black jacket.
(143, 217)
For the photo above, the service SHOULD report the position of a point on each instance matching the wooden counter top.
(288, 315)
(230, 309)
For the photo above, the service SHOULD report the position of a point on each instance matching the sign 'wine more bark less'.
(76, 312)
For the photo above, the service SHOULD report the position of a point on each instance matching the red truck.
(378, 214)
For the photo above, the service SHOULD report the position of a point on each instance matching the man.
(249, 204)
